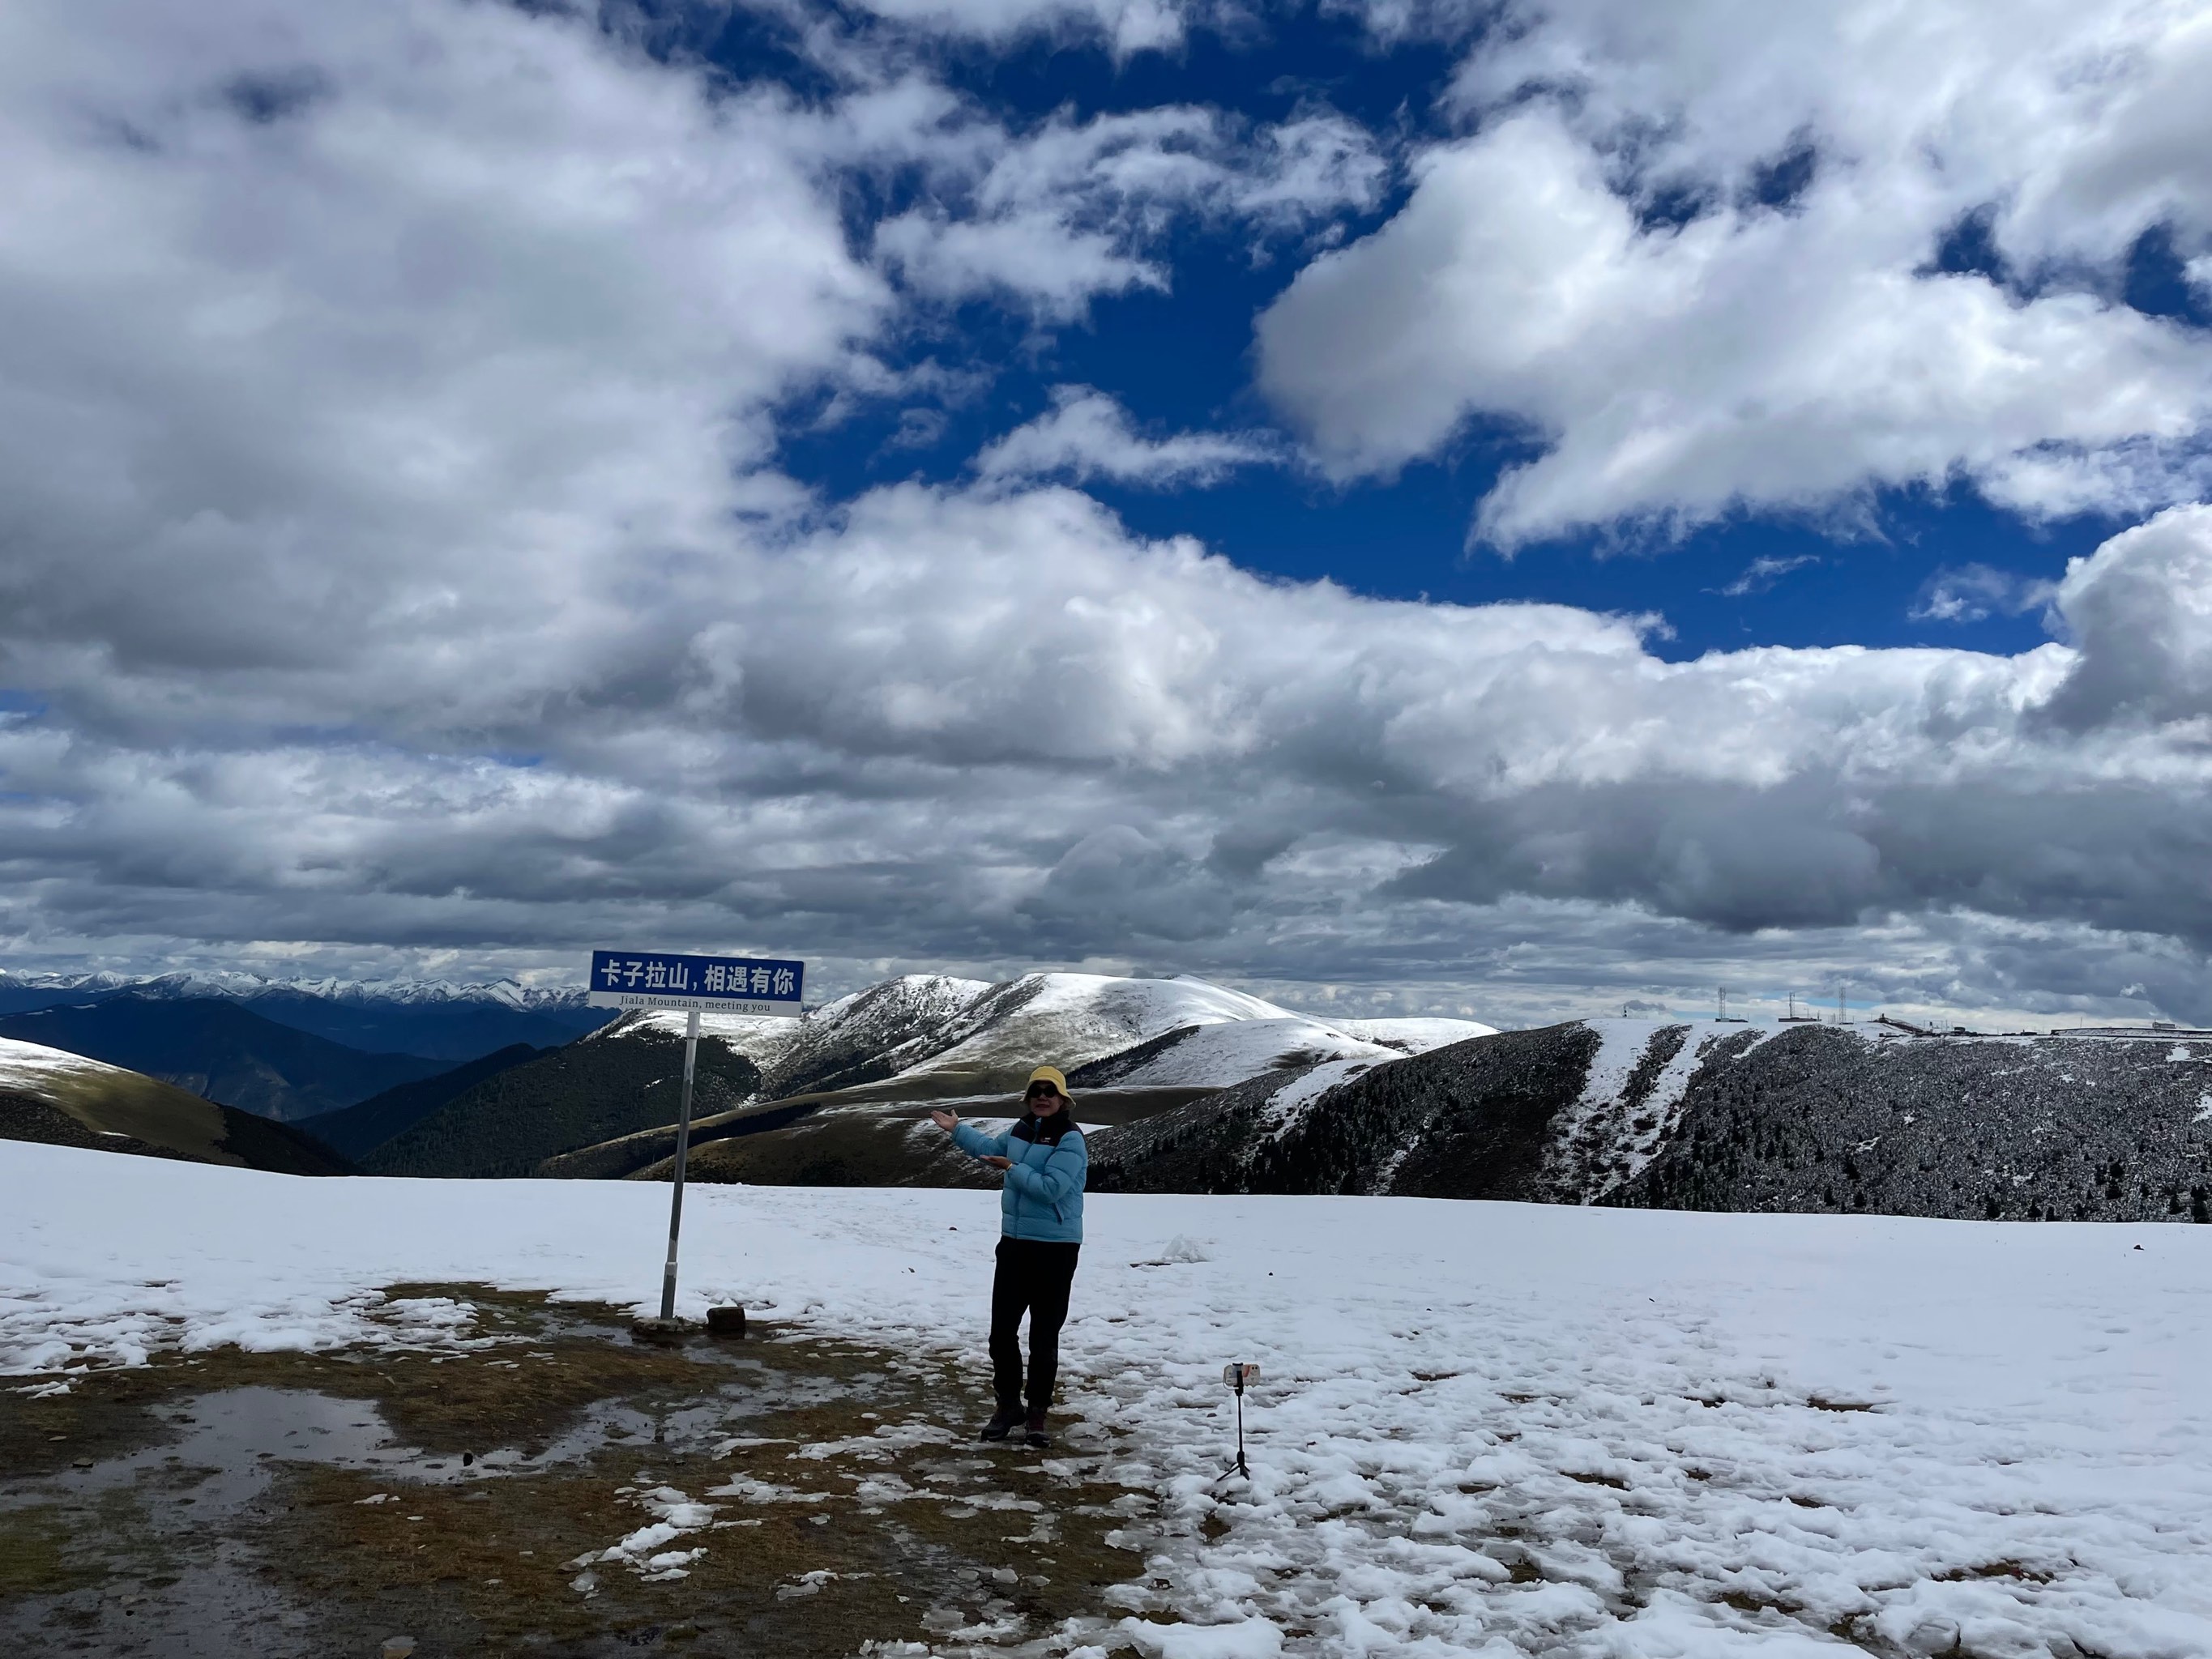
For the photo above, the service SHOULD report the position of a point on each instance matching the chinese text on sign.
(730, 984)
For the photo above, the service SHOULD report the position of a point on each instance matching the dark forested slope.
(2055, 1128)
(1720, 1117)
(359, 1129)
(592, 1090)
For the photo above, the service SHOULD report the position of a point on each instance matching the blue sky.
(1351, 502)
(1851, 572)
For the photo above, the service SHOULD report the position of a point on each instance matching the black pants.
(1033, 1278)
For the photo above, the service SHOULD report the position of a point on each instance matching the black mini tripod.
(1236, 1377)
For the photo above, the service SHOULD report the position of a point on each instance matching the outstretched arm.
(970, 1139)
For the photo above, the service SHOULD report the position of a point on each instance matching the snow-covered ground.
(1481, 1428)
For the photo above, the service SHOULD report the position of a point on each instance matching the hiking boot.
(1037, 1435)
(1001, 1423)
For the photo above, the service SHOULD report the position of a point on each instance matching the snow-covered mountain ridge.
(240, 986)
(1715, 1115)
(435, 1019)
(944, 1036)
(842, 1092)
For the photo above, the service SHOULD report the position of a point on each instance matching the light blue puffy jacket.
(1043, 1197)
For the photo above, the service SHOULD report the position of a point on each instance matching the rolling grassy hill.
(63, 1099)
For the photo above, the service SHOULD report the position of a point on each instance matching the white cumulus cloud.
(1126, 26)
(397, 563)
(1066, 212)
(1608, 268)
(1973, 593)
(1088, 434)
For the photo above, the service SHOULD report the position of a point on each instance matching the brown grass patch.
(472, 1561)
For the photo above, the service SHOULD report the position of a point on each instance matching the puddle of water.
(181, 1588)
(197, 1588)
(705, 1428)
(229, 1444)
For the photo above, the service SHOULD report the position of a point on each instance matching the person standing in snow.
(1041, 1224)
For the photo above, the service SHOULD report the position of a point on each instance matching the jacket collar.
(1046, 1130)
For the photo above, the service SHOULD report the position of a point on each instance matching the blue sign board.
(706, 985)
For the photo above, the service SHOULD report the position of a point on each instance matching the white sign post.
(689, 984)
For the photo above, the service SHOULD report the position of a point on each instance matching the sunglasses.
(1043, 1090)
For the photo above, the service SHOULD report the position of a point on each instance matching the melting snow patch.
(642, 1552)
(1249, 1638)
(810, 1584)
(746, 1489)
(746, 1443)
(888, 1437)
(428, 1322)
(877, 1490)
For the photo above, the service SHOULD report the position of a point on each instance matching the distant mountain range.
(244, 986)
(833, 1096)
(224, 1050)
(1183, 1087)
(437, 1019)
